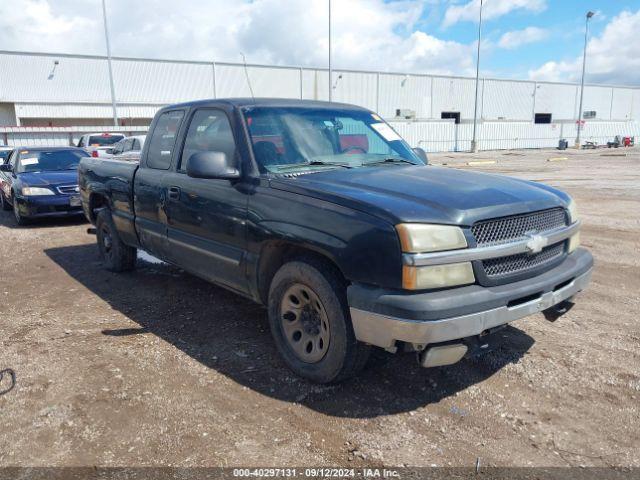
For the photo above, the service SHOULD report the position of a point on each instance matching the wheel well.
(96, 202)
(276, 254)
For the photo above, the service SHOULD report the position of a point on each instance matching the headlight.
(419, 238)
(437, 276)
(34, 191)
(573, 211)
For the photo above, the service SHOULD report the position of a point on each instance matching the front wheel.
(117, 256)
(20, 219)
(310, 322)
(4, 204)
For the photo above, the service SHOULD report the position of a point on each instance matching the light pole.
(113, 90)
(584, 65)
(330, 70)
(474, 146)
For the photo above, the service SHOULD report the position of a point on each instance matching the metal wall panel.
(447, 136)
(411, 92)
(25, 78)
(621, 104)
(507, 100)
(231, 81)
(442, 136)
(315, 84)
(557, 99)
(598, 99)
(356, 88)
(453, 95)
(635, 106)
(161, 82)
(37, 110)
(7, 114)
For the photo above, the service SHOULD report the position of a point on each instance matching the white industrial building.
(66, 94)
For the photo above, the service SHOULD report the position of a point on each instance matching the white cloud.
(516, 38)
(612, 57)
(371, 34)
(491, 9)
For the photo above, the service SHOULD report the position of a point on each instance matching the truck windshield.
(51, 160)
(286, 138)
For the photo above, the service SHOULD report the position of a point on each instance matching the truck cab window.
(209, 130)
(163, 140)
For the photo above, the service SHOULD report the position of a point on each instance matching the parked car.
(99, 144)
(321, 212)
(41, 182)
(129, 148)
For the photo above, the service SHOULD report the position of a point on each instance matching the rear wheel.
(310, 322)
(117, 256)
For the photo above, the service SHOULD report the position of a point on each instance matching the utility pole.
(474, 145)
(330, 84)
(584, 65)
(113, 90)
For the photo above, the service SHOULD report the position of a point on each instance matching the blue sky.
(525, 39)
(562, 20)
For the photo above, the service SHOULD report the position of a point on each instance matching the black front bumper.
(47, 206)
(455, 302)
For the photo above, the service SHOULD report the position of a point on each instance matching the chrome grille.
(509, 229)
(522, 261)
(68, 189)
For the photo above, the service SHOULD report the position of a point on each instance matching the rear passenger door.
(150, 192)
(207, 217)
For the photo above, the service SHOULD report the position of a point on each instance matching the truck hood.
(49, 179)
(425, 193)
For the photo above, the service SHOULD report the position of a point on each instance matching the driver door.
(206, 218)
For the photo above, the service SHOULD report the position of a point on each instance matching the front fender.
(365, 248)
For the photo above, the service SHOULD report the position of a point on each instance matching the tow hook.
(555, 312)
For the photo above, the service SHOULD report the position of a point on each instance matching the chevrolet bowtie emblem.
(536, 243)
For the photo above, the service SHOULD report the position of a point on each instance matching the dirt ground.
(157, 367)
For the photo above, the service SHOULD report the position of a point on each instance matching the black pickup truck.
(321, 212)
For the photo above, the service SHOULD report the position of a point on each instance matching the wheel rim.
(107, 242)
(305, 323)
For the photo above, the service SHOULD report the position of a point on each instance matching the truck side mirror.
(5, 167)
(421, 154)
(211, 165)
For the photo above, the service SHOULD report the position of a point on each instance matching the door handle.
(174, 193)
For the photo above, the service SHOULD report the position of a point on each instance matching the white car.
(129, 148)
(99, 144)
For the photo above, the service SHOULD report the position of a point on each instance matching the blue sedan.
(41, 182)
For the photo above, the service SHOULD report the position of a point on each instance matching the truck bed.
(112, 180)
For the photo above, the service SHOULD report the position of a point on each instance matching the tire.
(4, 204)
(117, 256)
(20, 220)
(310, 322)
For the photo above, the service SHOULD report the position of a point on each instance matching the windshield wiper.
(311, 163)
(389, 160)
(337, 164)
